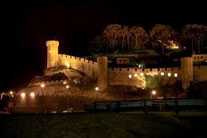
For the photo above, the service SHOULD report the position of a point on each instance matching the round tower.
(102, 72)
(186, 71)
(52, 53)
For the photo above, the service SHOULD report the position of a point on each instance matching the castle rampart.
(99, 70)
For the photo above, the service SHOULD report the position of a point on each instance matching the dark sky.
(27, 25)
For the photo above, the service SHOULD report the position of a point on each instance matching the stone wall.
(199, 73)
(86, 66)
(136, 77)
(199, 57)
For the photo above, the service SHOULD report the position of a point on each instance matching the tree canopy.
(116, 38)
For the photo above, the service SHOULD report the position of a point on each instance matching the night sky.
(27, 25)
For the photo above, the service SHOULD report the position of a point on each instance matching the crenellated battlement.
(68, 57)
(129, 76)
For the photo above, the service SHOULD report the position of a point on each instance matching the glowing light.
(23, 95)
(135, 75)
(154, 92)
(67, 86)
(11, 92)
(42, 85)
(176, 75)
(173, 45)
(130, 76)
(32, 94)
(64, 82)
(162, 73)
(141, 74)
(67, 64)
(52, 43)
(97, 88)
(169, 74)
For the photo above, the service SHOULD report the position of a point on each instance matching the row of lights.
(162, 74)
(32, 94)
(23, 95)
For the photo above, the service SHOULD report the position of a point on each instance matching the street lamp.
(22, 95)
(162, 73)
(32, 95)
(130, 76)
(42, 85)
(67, 86)
(97, 89)
(153, 93)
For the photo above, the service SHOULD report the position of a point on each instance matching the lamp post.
(152, 94)
(42, 86)
(67, 87)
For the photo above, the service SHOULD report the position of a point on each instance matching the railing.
(148, 105)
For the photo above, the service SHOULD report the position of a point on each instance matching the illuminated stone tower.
(52, 53)
(102, 72)
(186, 71)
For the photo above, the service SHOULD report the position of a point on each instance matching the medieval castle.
(131, 76)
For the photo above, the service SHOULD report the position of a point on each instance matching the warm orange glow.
(169, 74)
(11, 92)
(67, 86)
(135, 75)
(52, 43)
(32, 94)
(154, 92)
(176, 75)
(64, 82)
(141, 74)
(23, 95)
(130, 76)
(42, 85)
(97, 88)
(162, 73)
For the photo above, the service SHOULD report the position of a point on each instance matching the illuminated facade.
(132, 76)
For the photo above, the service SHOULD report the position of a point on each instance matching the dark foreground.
(101, 125)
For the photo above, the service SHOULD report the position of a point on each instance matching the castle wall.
(199, 57)
(86, 66)
(186, 71)
(102, 72)
(200, 73)
(127, 76)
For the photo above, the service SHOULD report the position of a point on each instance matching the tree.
(123, 33)
(111, 33)
(161, 34)
(139, 36)
(194, 33)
